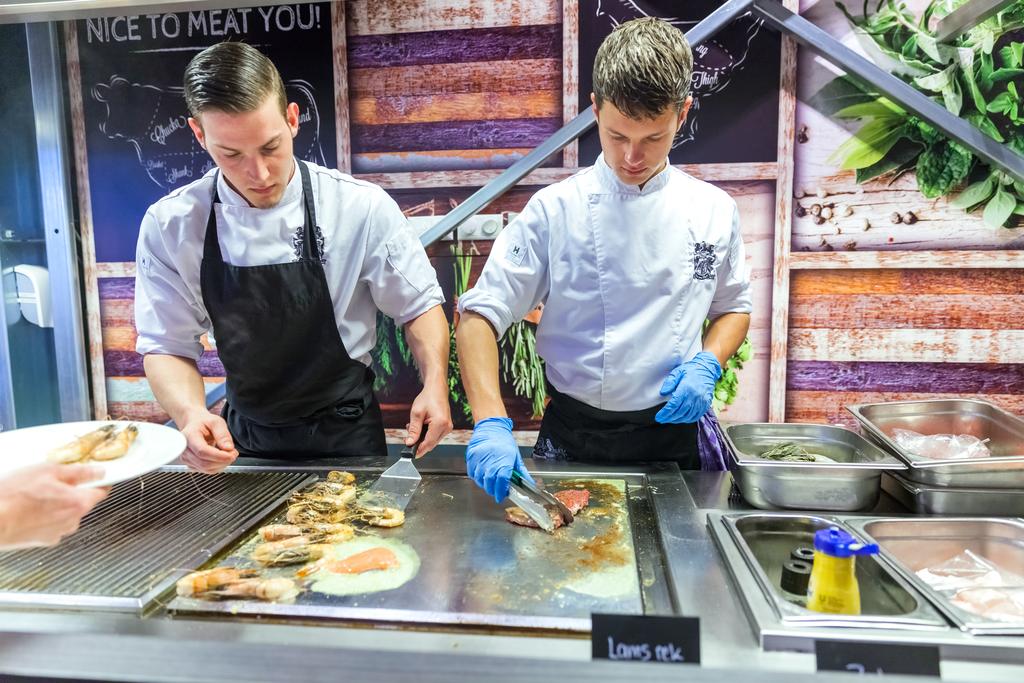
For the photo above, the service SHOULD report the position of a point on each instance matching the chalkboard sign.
(876, 659)
(735, 87)
(632, 638)
(138, 141)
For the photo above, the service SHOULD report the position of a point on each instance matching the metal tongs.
(534, 501)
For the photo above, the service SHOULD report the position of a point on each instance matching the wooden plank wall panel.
(756, 202)
(783, 227)
(443, 86)
(883, 335)
(128, 393)
(382, 17)
(93, 321)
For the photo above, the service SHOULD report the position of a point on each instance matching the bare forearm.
(478, 362)
(177, 385)
(725, 334)
(428, 340)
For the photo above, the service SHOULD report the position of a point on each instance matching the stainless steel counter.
(88, 644)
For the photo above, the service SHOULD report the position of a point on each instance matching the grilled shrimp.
(304, 514)
(82, 447)
(382, 516)
(272, 590)
(332, 488)
(296, 549)
(324, 501)
(197, 583)
(279, 532)
(345, 478)
(280, 557)
(305, 509)
(116, 445)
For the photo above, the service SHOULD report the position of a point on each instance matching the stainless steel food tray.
(915, 544)
(851, 483)
(765, 541)
(1005, 469)
(949, 500)
(773, 632)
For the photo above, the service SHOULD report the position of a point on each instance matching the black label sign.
(877, 658)
(673, 640)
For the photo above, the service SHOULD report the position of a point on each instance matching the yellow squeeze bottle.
(833, 587)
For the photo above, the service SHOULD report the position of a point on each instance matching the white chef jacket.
(627, 278)
(372, 257)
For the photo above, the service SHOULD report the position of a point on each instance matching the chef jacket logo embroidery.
(299, 237)
(703, 261)
(515, 253)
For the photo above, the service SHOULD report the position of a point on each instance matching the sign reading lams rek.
(138, 142)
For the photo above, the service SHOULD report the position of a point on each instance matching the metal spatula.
(397, 484)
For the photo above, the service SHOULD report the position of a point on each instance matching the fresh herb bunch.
(456, 392)
(788, 451)
(521, 365)
(391, 353)
(729, 383)
(979, 76)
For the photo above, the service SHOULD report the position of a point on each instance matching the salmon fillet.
(368, 560)
(574, 499)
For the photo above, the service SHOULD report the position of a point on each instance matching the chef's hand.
(41, 504)
(432, 410)
(491, 456)
(210, 446)
(690, 388)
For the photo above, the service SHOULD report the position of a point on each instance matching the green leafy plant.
(976, 77)
(728, 384)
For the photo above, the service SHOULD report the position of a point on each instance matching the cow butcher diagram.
(714, 61)
(154, 122)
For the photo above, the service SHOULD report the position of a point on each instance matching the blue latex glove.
(491, 456)
(690, 388)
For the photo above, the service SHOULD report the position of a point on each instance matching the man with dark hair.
(287, 264)
(629, 258)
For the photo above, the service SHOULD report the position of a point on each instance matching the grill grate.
(142, 538)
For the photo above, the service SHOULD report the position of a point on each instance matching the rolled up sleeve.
(515, 278)
(732, 293)
(167, 317)
(401, 280)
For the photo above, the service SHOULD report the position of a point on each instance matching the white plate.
(155, 445)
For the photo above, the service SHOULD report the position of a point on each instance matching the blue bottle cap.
(838, 543)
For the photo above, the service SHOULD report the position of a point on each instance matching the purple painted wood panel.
(116, 287)
(448, 47)
(129, 364)
(961, 378)
(425, 137)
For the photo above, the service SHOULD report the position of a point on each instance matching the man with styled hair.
(629, 258)
(287, 264)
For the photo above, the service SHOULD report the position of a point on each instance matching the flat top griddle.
(476, 568)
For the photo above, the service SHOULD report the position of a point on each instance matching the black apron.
(292, 389)
(573, 430)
